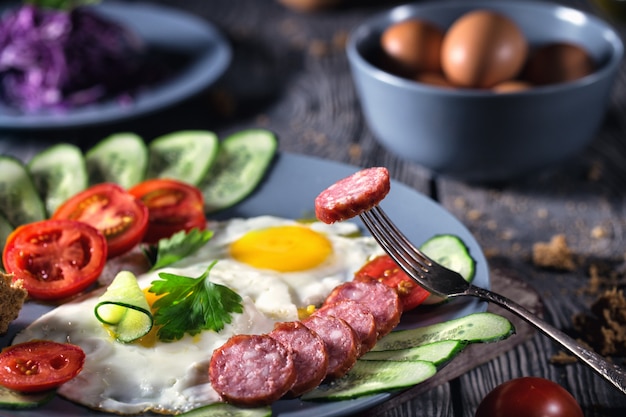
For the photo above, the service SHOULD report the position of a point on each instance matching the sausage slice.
(358, 317)
(252, 370)
(382, 301)
(341, 342)
(352, 195)
(309, 354)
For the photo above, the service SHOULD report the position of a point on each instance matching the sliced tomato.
(121, 217)
(39, 365)
(385, 269)
(55, 258)
(172, 206)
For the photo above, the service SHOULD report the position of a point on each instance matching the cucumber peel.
(371, 377)
(123, 308)
(186, 155)
(20, 202)
(121, 158)
(438, 353)
(473, 328)
(450, 251)
(19, 400)
(228, 410)
(241, 163)
(58, 172)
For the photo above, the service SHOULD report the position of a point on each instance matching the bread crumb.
(12, 297)
(474, 215)
(555, 254)
(599, 232)
(562, 358)
(604, 326)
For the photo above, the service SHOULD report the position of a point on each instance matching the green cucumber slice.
(184, 156)
(451, 252)
(59, 172)
(17, 400)
(5, 231)
(473, 328)
(227, 410)
(438, 353)
(241, 163)
(370, 377)
(121, 158)
(19, 199)
(123, 308)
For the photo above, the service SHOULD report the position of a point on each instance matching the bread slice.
(12, 297)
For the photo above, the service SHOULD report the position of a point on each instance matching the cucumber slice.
(17, 400)
(241, 163)
(473, 328)
(437, 352)
(370, 377)
(451, 252)
(121, 158)
(5, 231)
(227, 410)
(123, 308)
(19, 200)
(185, 156)
(59, 172)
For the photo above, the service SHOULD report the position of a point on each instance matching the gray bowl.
(477, 135)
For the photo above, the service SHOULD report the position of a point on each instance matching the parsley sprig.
(177, 247)
(191, 305)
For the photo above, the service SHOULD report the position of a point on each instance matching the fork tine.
(395, 243)
(400, 238)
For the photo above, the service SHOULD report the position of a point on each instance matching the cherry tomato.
(529, 397)
(55, 258)
(121, 217)
(172, 206)
(39, 365)
(385, 269)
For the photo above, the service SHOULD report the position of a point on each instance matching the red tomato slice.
(39, 365)
(385, 269)
(172, 206)
(55, 258)
(121, 217)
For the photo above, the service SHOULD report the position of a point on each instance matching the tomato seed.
(26, 367)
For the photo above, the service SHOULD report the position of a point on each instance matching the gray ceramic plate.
(289, 190)
(205, 51)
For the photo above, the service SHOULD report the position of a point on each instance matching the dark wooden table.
(290, 74)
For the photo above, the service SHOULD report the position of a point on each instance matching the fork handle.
(609, 371)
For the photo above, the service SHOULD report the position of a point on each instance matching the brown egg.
(436, 79)
(511, 86)
(413, 46)
(309, 5)
(483, 48)
(558, 62)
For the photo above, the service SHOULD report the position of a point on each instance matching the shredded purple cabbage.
(56, 60)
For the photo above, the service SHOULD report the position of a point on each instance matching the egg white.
(173, 377)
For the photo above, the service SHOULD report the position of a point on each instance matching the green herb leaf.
(191, 305)
(179, 246)
(60, 4)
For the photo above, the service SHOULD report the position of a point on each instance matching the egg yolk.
(282, 248)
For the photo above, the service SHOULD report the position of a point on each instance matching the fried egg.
(276, 265)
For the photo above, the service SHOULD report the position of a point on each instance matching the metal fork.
(448, 284)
